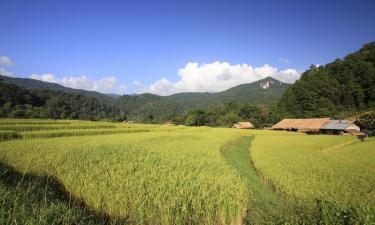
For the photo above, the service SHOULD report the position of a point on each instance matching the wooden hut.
(243, 125)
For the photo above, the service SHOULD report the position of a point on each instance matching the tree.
(196, 117)
(229, 119)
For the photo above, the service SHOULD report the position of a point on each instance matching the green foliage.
(196, 117)
(17, 102)
(343, 85)
(367, 120)
(175, 107)
(227, 114)
(32, 84)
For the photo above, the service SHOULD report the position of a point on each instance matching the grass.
(44, 127)
(325, 172)
(8, 135)
(156, 177)
(83, 132)
(264, 205)
(155, 174)
(29, 199)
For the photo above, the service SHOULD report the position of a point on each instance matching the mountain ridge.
(30, 83)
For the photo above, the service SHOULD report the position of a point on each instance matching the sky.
(165, 47)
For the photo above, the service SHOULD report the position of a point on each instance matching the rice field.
(159, 174)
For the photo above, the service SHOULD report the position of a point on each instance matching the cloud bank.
(215, 77)
(108, 84)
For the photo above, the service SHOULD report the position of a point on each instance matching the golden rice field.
(78, 172)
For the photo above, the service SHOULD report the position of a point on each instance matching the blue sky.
(171, 46)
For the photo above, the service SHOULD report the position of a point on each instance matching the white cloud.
(283, 60)
(214, 77)
(4, 72)
(288, 75)
(108, 84)
(5, 61)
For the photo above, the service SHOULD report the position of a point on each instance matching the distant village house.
(243, 125)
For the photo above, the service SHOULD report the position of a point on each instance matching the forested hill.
(344, 86)
(33, 84)
(18, 102)
(262, 92)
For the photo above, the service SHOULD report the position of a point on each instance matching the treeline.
(17, 102)
(338, 89)
(227, 114)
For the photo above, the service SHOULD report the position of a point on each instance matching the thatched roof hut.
(243, 125)
(304, 125)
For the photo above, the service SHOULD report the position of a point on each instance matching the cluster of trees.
(227, 114)
(17, 102)
(344, 86)
(367, 121)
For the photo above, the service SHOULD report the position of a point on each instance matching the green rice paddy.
(115, 173)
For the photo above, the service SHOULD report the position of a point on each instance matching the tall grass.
(334, 173)
(152, 178)
(35, 121)
(190, 175)
(8, 135)
(28, 199)
(83, 132)
(24, 128)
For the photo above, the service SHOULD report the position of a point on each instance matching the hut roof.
(337, 125)
(243, 125)
(313, 124)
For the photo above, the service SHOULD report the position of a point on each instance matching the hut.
(311, 125)
(243, 125)
(340, 127)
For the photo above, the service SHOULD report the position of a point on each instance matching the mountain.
(143, 107)
(344, 86)
(112, 95)
(19, 102)
(261, 92)
(33, 84)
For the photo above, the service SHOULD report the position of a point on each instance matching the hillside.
(344, 86)
(143, 107)
(42, 85)
(262, 92)
(19, 102)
